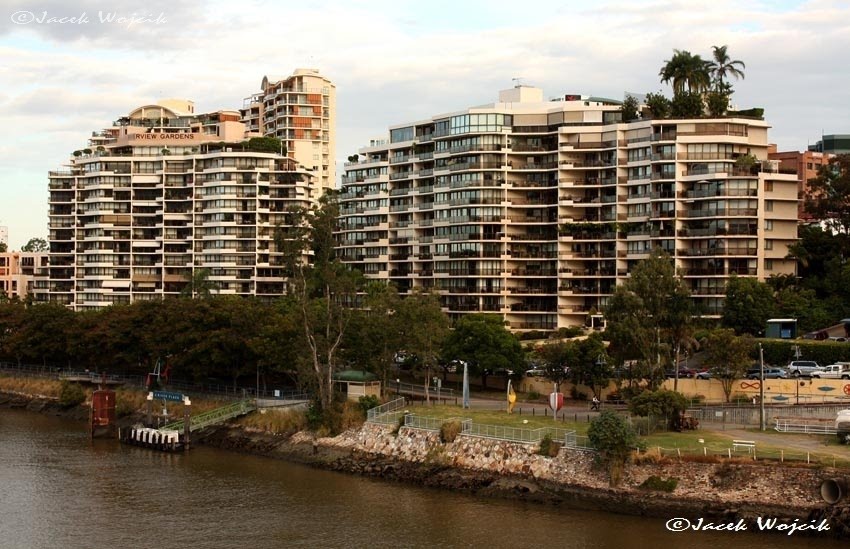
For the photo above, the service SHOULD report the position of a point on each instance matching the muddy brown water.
(59, 490)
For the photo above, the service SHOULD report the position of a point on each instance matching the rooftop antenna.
(517, 81)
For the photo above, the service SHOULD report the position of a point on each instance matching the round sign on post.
(556, 401)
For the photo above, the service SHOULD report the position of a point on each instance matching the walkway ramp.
(214, 417)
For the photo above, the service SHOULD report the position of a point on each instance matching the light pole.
(761, 387)
(398, 386)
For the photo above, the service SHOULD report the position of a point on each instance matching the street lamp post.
(761, 387)
(397, 386)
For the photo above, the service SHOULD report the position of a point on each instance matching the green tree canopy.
(727, 356)
(829, 195)
(484, 343)
(35, 245)
(686, 72)
(629, 109)
(645, 316)
(658, 105)
(722, 66)
(748, 305)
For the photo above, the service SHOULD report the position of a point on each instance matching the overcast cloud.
(392, 62)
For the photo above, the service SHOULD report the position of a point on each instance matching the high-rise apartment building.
(300, 110)
(806, 165)
(162, 195)
(535, 209)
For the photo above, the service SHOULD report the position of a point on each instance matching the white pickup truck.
(840, 370)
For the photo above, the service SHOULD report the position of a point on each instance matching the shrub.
(450, 430)
(568, 332)
(314, 415)
(351, 416)
(71, 394)
(614, 439)
(279, 422)
(740, 398)
(533, 334)
(532, 396)
(659, 484)
(660, 403)
(265, 144)
(367, 402)
(548, 447)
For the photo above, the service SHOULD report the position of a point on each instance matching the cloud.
(120, 24)
(399, 61)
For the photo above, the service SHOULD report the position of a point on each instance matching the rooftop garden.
(701, 89)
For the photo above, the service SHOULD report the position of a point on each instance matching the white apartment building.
(536, 209)
(18, 271)
(300, 110)
(162, 194)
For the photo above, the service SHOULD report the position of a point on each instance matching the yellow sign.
(511, 397)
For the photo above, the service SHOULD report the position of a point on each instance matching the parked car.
(683, 372)
(833, 371)
(839, 339)
(535, 372)
(704, 374)
(504, 372)
(802, 368)
(769, 373)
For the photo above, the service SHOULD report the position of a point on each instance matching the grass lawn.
(498, 417)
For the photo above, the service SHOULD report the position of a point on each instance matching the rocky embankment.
(42, 404)
(725, 491)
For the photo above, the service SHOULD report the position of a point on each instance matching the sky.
(68, 68)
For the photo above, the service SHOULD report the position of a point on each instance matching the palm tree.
(723, 66)
(686, 72)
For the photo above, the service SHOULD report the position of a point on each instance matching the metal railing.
(785, 425)
(386, 413)
(390, 413)
(419, 389)
(213, 417)
(431, 423)
(749, 415)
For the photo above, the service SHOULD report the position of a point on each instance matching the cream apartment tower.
(300, 110)
(536, 209)
(162, 194)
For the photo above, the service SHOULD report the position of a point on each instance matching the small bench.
(748, 445)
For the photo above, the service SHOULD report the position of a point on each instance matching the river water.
(58, 490)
